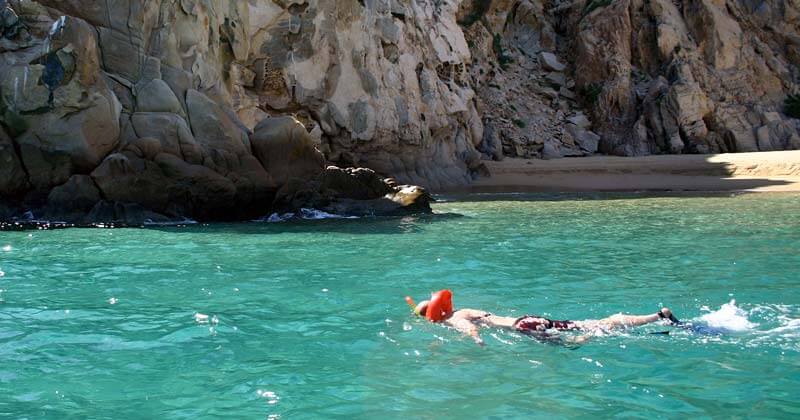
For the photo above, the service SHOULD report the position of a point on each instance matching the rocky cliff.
(174, 106)
(165, 105)
(634, 77)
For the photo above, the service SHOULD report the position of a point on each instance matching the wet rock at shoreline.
(126, 214)
(13, 178)
(354, 192)
(72, 201)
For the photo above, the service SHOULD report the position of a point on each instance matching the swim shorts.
(530, 323)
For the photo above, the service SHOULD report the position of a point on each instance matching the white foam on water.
(729, 317)
(501, 339)
(305, 214)
(150, 222)
(275, 218)
(113, 301)
(314, 214)
(789, 329)
(7, 248)
(271, 397)
(201, 318)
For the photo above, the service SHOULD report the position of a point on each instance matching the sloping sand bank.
(764, 171)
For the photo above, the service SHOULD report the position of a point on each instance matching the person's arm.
(466, 326)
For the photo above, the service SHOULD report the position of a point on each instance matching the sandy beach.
(762, 172)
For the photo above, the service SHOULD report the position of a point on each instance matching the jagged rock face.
(697, 76)
(65, 118)
(384, 80)
(380, 83)
(141, 95)
(155, 101)
(657, 76)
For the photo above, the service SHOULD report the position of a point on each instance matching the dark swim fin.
(703, 329)
(671, 318)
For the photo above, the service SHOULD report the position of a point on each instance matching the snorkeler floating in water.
(468, 321)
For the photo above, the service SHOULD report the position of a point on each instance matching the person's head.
(438, 308)
(422, 308)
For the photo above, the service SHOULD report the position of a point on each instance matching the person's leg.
(620, 320)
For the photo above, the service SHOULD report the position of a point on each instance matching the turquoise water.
(307, 320)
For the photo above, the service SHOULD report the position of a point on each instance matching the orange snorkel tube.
(411, 303)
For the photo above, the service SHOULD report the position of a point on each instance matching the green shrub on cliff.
(592, 92)
(791, 106)
(592, 5)
(503, 57)
(477, 11)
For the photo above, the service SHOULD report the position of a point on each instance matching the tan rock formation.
(721, 64)
(275, 139)
(692, 76)
(156, 99)
(142, 93)
(69, 117)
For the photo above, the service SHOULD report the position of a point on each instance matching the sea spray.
(304, 214)
(729, 317)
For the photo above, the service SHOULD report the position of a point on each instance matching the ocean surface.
(306, 318)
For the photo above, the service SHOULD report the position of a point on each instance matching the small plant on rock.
(503, 57)
(592, 92)
(791, 106)
(477, 11)
(593, 5)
